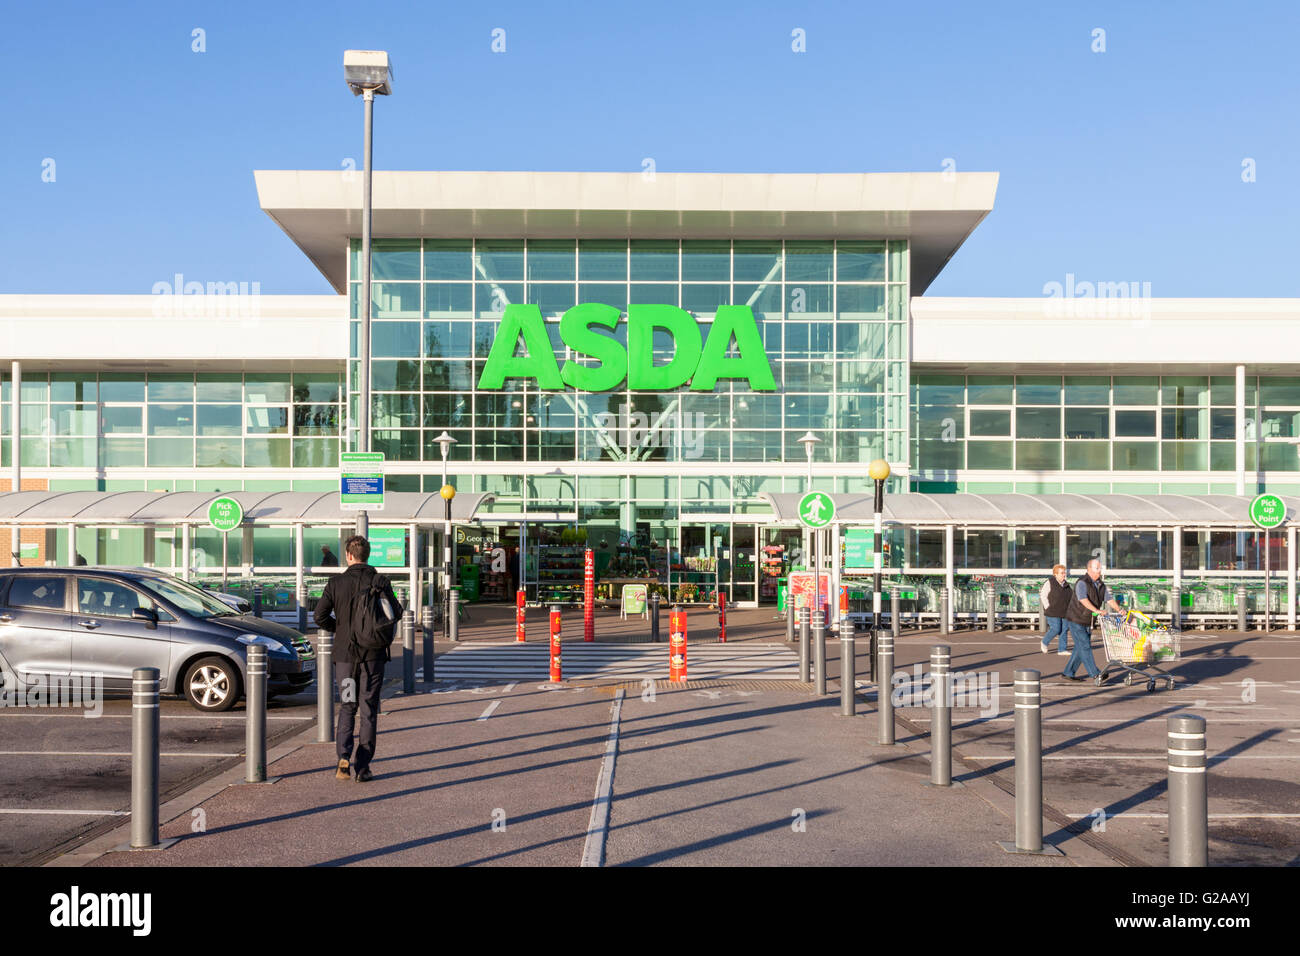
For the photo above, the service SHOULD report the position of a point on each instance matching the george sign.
(859, 549)
(225, 515)
(634, 599)
(816, 509)
(387, 547)
(522, 349)
(1267, 512)
(361, 481)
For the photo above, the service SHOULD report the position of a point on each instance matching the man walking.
(1086, 602)
(359, 671)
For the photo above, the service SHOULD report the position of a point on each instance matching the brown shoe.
(342, 772)
(364, 776)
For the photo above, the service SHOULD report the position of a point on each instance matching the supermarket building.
(207, 387)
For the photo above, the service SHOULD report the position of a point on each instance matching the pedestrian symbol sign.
(816, 509)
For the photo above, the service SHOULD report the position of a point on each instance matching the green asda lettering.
(695, 359)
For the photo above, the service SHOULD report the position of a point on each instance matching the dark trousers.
(366, 681)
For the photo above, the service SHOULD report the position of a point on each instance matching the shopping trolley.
(1135, 642)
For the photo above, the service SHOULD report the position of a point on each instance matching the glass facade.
(1047, 433)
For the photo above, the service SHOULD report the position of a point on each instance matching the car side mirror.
(145, 614)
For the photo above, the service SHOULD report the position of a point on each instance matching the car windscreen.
(188, 598)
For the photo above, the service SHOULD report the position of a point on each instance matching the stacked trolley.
(1136, 643)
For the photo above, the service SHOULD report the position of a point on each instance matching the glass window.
(983, 548)
(1277, 391)
(395, 339)
(122, 419)
(316, 388)
(266, 388)
(706, 260)
(937, 454)
(990, 423)
(220, 387)
(1136, 390)
(29, 590)
(705, 299)
(121, 387)
(448, 411)
(316, 419)
(553, 299)
(653, 260)
(164, 387)
(390, 300)
(499, 259)
(809, 261)
(551, 260)
(268, 452)
(1085, 423)
(1223, 390)
(1087, 390)
(1184, 456)
(1183, 423)
(1033, 549)
(492, 298)
(1139, 550)
(266, 420)
(1038, 423)
(1081, 547)
(860, 262)
(861, 299)
(1223, 423)
(939, 390)
(73, 387)
(448, 259)
(171, 452)
(390, 259)
(988, 389)
(1135, 455)
(757, 261)
(1038, 390)
(1087, 456)
(1135, 424)
(1280, 456)
(219, 452)
(219, 419)
(1279, 424)
(446, 299)
(602, 260)
(988, 455)
(123, 453)
(1185, 390)
(171, 419)
(397, 376)
(806, 297)
(1038, 455)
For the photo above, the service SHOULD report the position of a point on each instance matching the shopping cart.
(1135, 642)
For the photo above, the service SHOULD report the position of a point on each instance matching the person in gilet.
(1055, 597)
(1089, 597)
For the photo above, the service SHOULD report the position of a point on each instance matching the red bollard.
(556, 676)
(844, 599)
(589, 596)
(677, 645)
(722, 617)
(519, 617)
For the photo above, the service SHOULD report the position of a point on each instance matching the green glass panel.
(395, 376)
(990, 423)
(446, 299)
(761, 298)
(73, 387)
(1087, 389)
(73, 453)
(705, 299)
(605, 293)
(448, 259)
(266, 420)
(1135, 455)
(1038, 422)
(706, 260)
(219, 419)
(641, 293)
(1038, 455)
(266, 388)
(1280, 456)
(171, 453)
(1278, 391)
(121, 386)
(267, 453)
(394, 300)
(220, 387)
(988, 455)
(602, 260)
(395, 339)
(860, 299)
(757, 261)
(499, 259)
(121, 452)
(1087, 456)
(394, 259)
(1183, 456)
(935, 455)
(316, 388)
(1136, 389)
(860, 261)
(1038, 390)
(171, 420)
(124, 419)
(1223, 456)
(988, 389)
(1135, 424)
(1223, 423)
(552, 260)
(315, 420)
(809, 261)
(898, 260)
(1085, 423)
(937, 422)
(448, 339)
(1185, 390)
(806, 297)
(1184, 423)
(653, 260)
(554, 299)
(492, 298)
(1279, 424)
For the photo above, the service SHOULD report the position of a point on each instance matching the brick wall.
(28, 536)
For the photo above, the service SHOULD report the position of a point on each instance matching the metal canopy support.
(299, 561)
(1290, 578)
(185, 551)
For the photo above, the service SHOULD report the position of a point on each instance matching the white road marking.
(490, 707)
(510, 687)
(1212, 816)
(593, 851)
(74, 813)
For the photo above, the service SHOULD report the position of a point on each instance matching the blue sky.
(1123, 165)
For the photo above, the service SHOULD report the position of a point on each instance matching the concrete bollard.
(940, 717)
(426, 628)
(407, 625)
(819, 653)
(257, 600)
(789, 622)
(848, 672)
(1176, 608)
(655, 601)
(1028, 697)
(1042, 620)
(325, 687)
(453, 615)
(991, 599)
(895, 612)
(145, 723)
(1241, 607)
(805, 669)
(255, 716)
(945, 624)
(884, 688)
(1189, 825)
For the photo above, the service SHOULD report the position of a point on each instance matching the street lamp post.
(445, 442)
(879, 471)
(447, 492)
(367, 72)
(810, 442)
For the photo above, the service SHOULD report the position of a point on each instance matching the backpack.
(373, 618)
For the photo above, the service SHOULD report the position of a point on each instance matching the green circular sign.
(225, 515)
(1267, 511)
(816, 509)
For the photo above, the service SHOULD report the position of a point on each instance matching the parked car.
(56, 621)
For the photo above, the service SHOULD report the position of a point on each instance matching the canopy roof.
(914, 508)
(191, 507)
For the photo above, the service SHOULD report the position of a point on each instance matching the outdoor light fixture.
(878, 470)
(368, 70)
(810, 442)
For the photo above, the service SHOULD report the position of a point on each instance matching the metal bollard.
(453, 615)
(1042, 620)
(819, 654)
(848, 672)
(257, 600)
(1189, 825)
(145, 724)
(1176, 608)
(895, 612)
(407, 625)
(805, 619)
(557, 671)
(255, 716)
(940, 717)
(1241, 607)
(654, 618)
(944, 599)
(991, 597)
(1029, 767)
(884, 688)
(722, 617)
(324, 687)
(426, 627)
(301, 598)
(789, 622)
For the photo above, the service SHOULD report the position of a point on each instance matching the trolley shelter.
(286, 544)
(1154, 549)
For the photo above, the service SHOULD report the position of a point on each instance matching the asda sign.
(522, 349)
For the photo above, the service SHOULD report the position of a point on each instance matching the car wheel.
(212, 684)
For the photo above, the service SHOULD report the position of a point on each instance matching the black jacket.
(1058, 598)
(1096, 591)
(334, 607)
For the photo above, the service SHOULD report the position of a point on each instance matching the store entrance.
(781, 552)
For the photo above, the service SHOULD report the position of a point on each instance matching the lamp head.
(447, 491)
(878, 469)
(367, 70)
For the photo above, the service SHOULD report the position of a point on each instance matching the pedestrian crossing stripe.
(618, 661)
